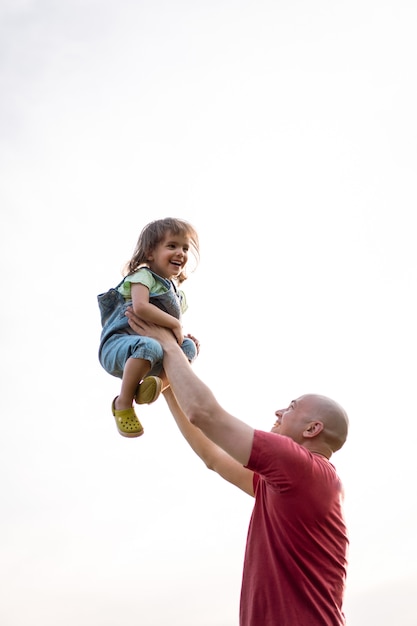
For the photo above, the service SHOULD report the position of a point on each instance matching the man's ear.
(313, 429)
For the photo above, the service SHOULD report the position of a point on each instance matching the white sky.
(286, 132)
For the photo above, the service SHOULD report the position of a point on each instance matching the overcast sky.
(286, 133)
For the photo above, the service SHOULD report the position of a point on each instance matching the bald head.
(333, 417)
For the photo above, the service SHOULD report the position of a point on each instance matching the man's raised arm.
(195, 398)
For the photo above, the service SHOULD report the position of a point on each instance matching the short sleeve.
(183, 300)
(142, 276)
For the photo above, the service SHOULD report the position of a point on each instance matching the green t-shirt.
(155, 286)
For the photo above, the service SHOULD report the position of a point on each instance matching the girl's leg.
(130, 357)
(134, 371)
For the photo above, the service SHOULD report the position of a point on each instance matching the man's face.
(292, 421)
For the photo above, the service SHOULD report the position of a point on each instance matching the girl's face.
(170, 256)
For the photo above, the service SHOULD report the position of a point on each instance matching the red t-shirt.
(295, 562)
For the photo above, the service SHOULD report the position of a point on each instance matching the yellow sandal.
(127, 422)
(148, 390)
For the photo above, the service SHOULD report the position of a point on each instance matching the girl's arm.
(214, 457)
(150, 313)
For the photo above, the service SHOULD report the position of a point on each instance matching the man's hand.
(165, 336)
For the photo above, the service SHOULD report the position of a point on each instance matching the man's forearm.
(192, 394)
(195, 398)
(211, 454)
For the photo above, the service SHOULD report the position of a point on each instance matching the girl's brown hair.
(153, 233)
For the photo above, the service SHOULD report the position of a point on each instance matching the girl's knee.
(149, 349)
(189, 348)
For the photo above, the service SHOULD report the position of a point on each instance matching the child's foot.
(127, 422)
(148, 390)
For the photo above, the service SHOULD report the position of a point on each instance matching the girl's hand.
(178, 333)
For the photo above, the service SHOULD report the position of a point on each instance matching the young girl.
(150, 286)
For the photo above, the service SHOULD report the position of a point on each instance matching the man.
(295, 562)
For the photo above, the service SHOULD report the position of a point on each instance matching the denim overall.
(118, 342)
